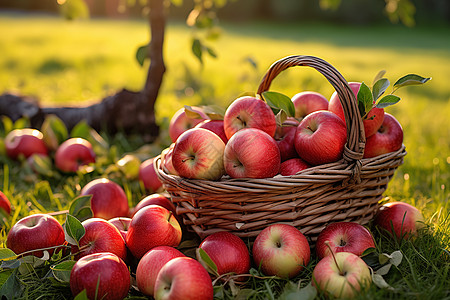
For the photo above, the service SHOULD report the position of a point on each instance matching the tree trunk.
(131, 112)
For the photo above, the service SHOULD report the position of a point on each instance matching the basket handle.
(356, 140)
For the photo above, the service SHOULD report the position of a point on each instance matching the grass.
(63, 63)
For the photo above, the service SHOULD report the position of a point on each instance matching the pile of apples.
(248, 142)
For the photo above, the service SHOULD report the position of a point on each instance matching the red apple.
(308, 102)
(166, 155)
(344, 237)
(73, 153)
(249, 112)
(122, 224)
(25, 142)
(103, 276)
(198, 154)
(388, 138)
(342, 276)
(183, 278)
(374, 117)
(100, 236)
(150, 265)
(35, 232)
(400, 219)
(148, 176)
(161, 199)
(180, 122)
(108, 198)
(215, 126)
(293, 166)
(320, 138)
(5, 204)
(285, 136)
(281, 250)
(252, 153)
(150, 227)
(228, 252)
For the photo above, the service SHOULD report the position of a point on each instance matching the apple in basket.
(284, 136)
(281, 250)
(293, 166)
(73, 153)
(161, 199)
(148, 176)
(344, 237)
(320, 138)
(166, 156)
(252, 153)
(250, 112)
(307, 102)
(198, 154)
(215, 126)
(342, 275)
(388, 138)
(180, 122)
(25, 142)
(374, 117)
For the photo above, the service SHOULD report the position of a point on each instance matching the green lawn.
(71, 63)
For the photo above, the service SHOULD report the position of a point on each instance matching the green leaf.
(278, 101)
(73, 230)
(197, 49)
(379, 88)
(80, 207)
(7, 123)
(81, 129)
(42, 165)
(81, 296)
(214, 112)
(206, 261)
(365, 98)
(378, 76)
(387, 101)
(192, 113)
(7, 254)
(11, 288)
(410, 79)
(62, 270)
(211, 52)
(142, 54)
(292, 292)
(54, 131)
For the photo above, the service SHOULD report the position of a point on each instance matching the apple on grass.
(320, 138)
(148, 176)
(5, 204)
(229, 253)
(180, 122)
(150, 227)
(399, 219)
(129, 165)
(215, 126)
(103, 276)
(72, 154)
(388, 138)
(249, 112)
(108, 198)
(100, 236)
(150, 264)
(344, 237)
(285, 136)
(252, 153)
(161, 199)
(183, 278)
(25, 142)
(293, 166)
(373, 120)
(308, 102)
(341, 275)
(198, 154)
(281, 250)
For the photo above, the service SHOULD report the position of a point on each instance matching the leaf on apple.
(61, 271)
(214, 112)
(379, 88)
(379, 75)
(387, 101)
(81, 296)
(278, 101)
(192, 113)
(410, 79)
(365, 100)
(73, 230)
(80, 207)
(206, 261)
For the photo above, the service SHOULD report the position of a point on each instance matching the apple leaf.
(8, 259)
(11, 288)
(379, 88)
(378, 76)
(73, 230)
(292, 291)
(62, 270)
(7, 254)
(81, 129)
(192, 113)
(410, 79)
(387, 101)
(142, 54)
(81, 296)
(54, 131)
(384, 269)
(80, 207)
(278, 101)
(197, 49)
(365, 99)
(214, 112)
(206, 261)
(380, 282)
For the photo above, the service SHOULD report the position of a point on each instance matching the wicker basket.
(347, 190)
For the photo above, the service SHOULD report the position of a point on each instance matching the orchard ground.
(63, 63)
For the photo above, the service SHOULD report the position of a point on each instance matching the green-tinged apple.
(183, 278)
(100, 236)
(150, 265)
(198, 154)
(320, 138)
(129, 165)
(252, 153)
(150, 227)
(180, 122)
(307, 102)
(281, 250)
(103, 276)
(285, 136)
(249, 112)
(344, 237)
(161, 199)
(148, 176)
(5, 204)
(388, 138)
(25, 142)
(293, 166)
(108, 198)
(227, 251)
(342, 275)
(400, 219)
(373, 120)
(215, 126)
(33, 232)
(73, 153)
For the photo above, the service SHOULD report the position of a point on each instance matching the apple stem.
(327, 243)
(170, 215)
